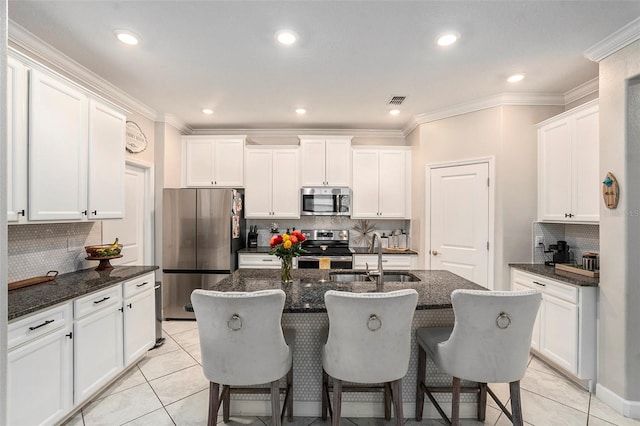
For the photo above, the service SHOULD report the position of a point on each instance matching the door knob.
(434, 252)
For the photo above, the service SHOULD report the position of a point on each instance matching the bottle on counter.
(402, 240)
(384, 241)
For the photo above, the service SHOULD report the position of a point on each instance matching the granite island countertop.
(306, 292)
(27, 300)
(550, 272)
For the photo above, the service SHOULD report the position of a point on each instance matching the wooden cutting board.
(574, 270)
(51, 275)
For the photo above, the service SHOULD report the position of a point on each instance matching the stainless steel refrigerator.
(201, 233)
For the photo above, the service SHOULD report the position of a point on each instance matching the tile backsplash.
(36, 249)
(580, 238)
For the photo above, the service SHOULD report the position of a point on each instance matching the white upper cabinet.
(568, 175)
(16, 141)
(381, 183)
(213, 161)
(57, 149)
(107, 129)
(326, 161)
(272, 189)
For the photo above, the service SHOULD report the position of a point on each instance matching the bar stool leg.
(387, 401)
(289, 401)
(275, 402)
(482, 401)
(455, 402)
(337, 402)
(226, 402)
(214, 389)
(516, 403)
(325, 394)
(422, 367)
(397, 401)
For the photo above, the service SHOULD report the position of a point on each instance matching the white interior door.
(459, 221)
(131, 230)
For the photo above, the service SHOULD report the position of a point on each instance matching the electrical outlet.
(539, 241)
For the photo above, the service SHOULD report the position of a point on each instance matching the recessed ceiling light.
(447, 39)
(515, 78)
(127, 37)
(207, 111)
(301, 111)
(286, 37)
(394, 112)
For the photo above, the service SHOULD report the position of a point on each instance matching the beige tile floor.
(168, 388)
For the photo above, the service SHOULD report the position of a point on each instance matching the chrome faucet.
(379, 273)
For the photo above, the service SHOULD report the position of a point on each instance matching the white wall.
(619, 307)
(3, 212)
(506, 133)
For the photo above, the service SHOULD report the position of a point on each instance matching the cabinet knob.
(434, 252)
(70, 335)
(84, 213)
(95, 212)
(21, 212)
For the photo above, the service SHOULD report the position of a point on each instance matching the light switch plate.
(539, 241)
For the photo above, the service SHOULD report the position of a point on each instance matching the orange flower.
(293, 239)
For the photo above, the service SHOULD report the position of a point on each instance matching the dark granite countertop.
(306, 292)
(26, 300)
(550, 272)
(354, 250)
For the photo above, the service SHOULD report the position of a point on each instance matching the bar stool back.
(243, 344)
(369, 342)
(489, 343)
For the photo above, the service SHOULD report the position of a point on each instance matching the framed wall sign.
(136, 140)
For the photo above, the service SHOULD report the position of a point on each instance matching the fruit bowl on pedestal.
(103, 253)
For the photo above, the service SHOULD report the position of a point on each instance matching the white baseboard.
(625, 407)
(349, 409)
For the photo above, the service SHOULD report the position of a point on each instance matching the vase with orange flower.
(286, 247)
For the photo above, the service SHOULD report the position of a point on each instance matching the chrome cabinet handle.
(267, 260)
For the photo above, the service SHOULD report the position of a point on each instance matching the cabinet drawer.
(546, 286)
(138, 285)
(394, 261)
(26, 329)
(98, 300)
(258, 260)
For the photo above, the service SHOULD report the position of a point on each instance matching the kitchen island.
(305, 312)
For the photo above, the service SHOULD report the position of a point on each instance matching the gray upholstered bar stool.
(369, 342)
(243, 344)
(489, 343)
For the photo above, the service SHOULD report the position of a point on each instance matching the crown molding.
(502, 99)
(30, 45)
(581, 91)
(614, 42)
(175, 122)
(275, 133)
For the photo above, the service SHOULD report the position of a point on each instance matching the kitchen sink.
(360, 277)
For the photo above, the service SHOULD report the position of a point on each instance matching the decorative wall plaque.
(136, 140)
(610, 191)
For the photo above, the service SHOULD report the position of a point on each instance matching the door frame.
(149, 211)
(490, 161)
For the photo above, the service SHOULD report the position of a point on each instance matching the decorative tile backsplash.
(326, 222)
(580, 238)
(36, 249)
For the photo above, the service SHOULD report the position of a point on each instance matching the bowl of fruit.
(103, 253)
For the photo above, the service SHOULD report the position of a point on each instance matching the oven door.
(337, 262)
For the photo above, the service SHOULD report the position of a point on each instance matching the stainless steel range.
(326, 244)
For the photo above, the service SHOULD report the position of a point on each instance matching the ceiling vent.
(396, 100)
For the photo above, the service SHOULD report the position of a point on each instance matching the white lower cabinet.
(391, 261)
(97, 348)
(62, 356)
(139, 317)
(261, 261)
(565, 329)
(40, 367)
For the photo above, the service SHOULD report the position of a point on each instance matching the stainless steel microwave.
(325, 201)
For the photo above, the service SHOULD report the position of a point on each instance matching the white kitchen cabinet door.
(98, 341)
(312, 154)
(365, 194)
(559, 332)
(228, 163)
(258, 194)
(535, 335)
(285, 184)
(568, 166)
(392, 184)
(139, 325)
(57, 149)
(106, 190)
(40, 379)
(16, 141)
(326, 161)
(199, 162)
